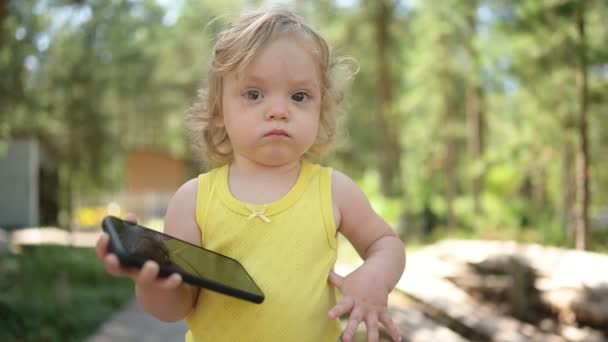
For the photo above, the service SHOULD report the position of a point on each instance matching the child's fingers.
(110, 260)
(387, 321)
(344, 306)
(130, 217)
(351, 327)
(101, 247)
(371, 323)
(113, 266)
(335, 279)
(172, 282)
(149, 272)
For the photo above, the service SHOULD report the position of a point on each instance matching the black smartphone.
(134, 245)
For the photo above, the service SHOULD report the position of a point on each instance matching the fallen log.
(535, 282)
(445, 302)
(475, 288)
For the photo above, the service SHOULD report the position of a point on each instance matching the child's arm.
(365, 291)
(180, 222)
(167, 299)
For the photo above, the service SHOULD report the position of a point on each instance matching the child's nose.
(278, 111)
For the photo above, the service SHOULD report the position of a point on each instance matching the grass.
(56, 293)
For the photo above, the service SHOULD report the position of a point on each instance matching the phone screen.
(175, 255)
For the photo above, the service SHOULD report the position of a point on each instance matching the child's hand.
(146, 277)
(365, 300)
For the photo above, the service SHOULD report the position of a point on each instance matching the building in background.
(152, 178)
(28, 186)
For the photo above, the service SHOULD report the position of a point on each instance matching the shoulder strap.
(202, 200)
(327, 205)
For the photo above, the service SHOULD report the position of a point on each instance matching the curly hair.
(236, 46)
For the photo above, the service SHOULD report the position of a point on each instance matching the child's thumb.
(131, 218)
(335, 279)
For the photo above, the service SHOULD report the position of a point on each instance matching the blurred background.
(468, 119)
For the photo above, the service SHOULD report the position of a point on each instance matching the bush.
(56, 293)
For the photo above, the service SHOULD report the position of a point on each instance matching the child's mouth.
(277, 133)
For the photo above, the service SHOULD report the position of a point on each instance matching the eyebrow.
(304, 83)
(251, 79)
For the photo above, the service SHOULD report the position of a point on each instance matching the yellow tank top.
(287, 246)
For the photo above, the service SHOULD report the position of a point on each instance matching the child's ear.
(218, 121)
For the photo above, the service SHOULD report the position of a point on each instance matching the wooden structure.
(151, 179)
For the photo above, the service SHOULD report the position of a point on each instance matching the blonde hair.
(235, 48)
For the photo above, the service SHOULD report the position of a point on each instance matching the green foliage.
(56, 294)
(389, 208)
(95, 79)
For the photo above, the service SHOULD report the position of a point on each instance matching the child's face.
(271, 110)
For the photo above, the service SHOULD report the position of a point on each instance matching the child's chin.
(278, 158)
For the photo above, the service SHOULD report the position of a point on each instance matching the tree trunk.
(389, 147)
(568, 189)
(448, 134)
(450, 162)
(449, 139)
(475, 109)
(3, 11)
(583, 157)
(475, 118)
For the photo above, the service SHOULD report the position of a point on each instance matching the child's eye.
(253, 95)
(300, 96)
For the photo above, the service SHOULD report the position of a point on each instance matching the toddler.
(268, 112)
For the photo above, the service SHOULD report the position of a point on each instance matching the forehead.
(286, 57)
